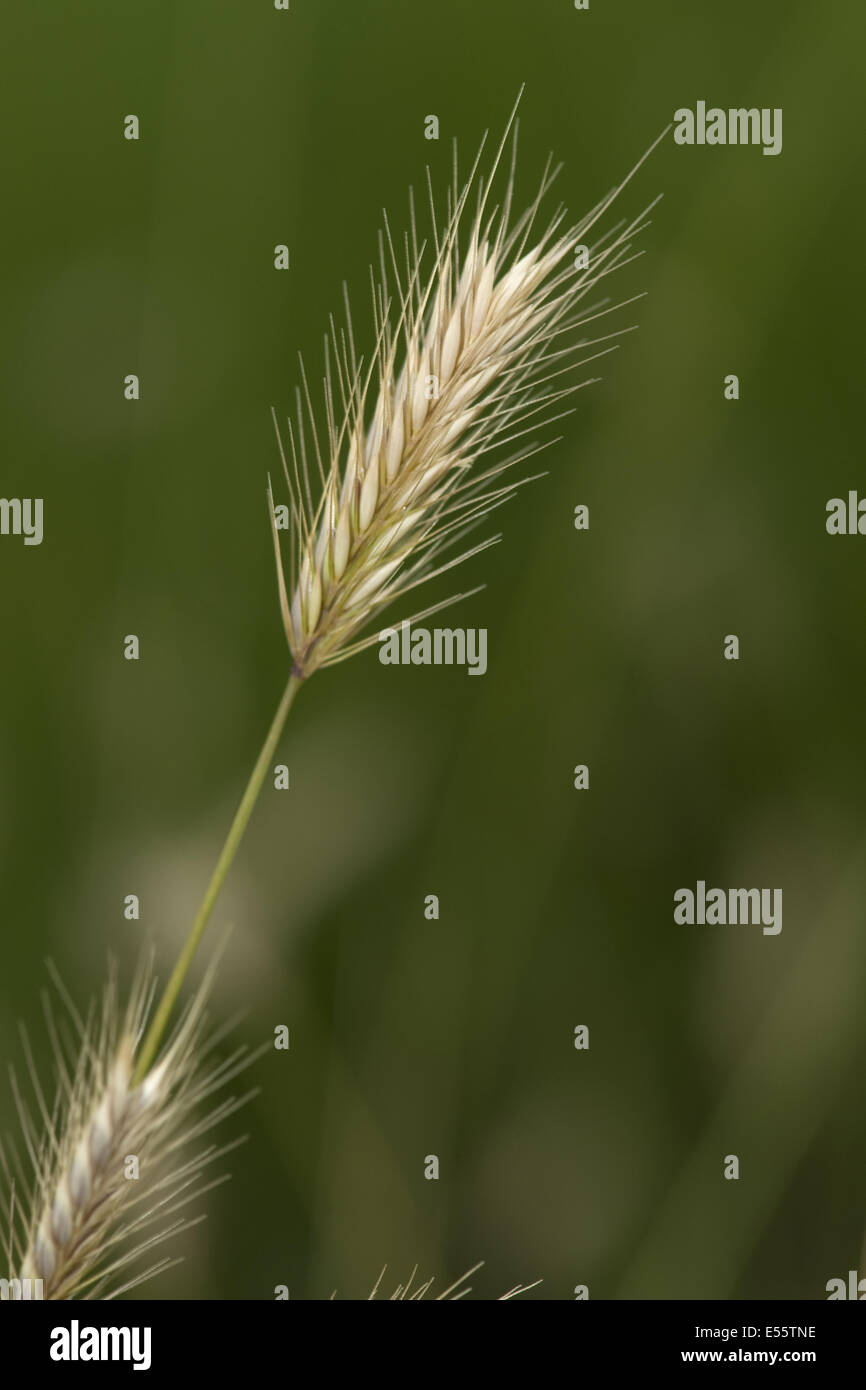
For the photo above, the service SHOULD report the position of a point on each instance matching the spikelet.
(482, 338)
(459, 1289)
(74, 1216)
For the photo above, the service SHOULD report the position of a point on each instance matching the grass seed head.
(477, 338)
(109, 1165)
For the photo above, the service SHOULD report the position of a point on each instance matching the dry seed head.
(77, 1213)
(459, 1289)
(470, 355)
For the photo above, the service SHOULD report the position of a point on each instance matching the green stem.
(229, 849)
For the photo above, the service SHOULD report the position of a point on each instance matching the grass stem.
(151, 1043)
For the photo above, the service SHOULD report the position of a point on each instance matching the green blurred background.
(453, 1037)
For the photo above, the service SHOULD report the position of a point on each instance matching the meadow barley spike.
(469, 356)
(413, 1292)
(108, 1162)
(459, 1289)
